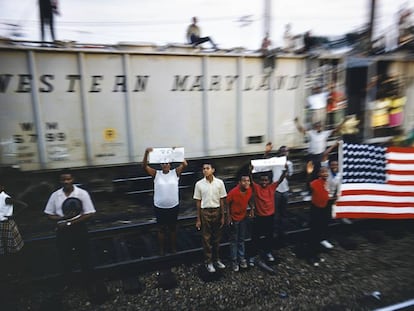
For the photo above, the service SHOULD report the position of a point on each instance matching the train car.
(92, 106)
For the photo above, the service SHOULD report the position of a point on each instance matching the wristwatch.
(68, 223)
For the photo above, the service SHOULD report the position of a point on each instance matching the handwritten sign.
(264, 165)
(166, 155)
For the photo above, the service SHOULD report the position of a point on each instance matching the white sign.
(166, 155)
(264, 165)
(318, 101)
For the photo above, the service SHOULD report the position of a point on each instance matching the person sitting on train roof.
(317, 142)
(166, 200)
(210, 195)
(194, 35)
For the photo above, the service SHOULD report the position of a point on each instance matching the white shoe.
(220, 265)
(210, 268)
(252, 261)
(326, 244)
(235, 267)
(270, 257)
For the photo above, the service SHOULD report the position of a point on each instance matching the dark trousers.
(211, 232)
(262, 234)
(281, 204)
(195, 40)
(319, 220)
(74, 237)
(44, 21)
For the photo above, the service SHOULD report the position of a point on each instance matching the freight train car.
(89, 106)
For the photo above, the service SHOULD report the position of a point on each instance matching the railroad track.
(135, 244)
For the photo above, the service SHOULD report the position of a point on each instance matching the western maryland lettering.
(46, 83)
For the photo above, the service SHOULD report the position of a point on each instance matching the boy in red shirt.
(319, 215)
(237, 201)
(264, 199)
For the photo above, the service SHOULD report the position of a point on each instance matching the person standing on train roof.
(71, 229)
(194, 35)
(238, 199)
(282, 190)
(264, 211)
(210, 195)
(166, 200)
(318, 138)
(47, 9)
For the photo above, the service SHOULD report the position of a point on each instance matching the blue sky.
(165, 21)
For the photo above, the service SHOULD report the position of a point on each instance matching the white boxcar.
(76, 107)
(86, 106)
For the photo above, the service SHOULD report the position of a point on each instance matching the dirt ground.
(366, 270)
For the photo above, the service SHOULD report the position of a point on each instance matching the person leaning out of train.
(238, 199)
(166, 200)
(210, 196)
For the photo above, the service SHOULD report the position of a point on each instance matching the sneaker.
(220, 265)
(251, 261)
(326, 244)
(270, 257)
(235, 267)
(314, 261)
(210, 268)
(347, 221)
(243, 264)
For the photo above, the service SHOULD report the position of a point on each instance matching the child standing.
(264, 193)
(237, 201)
(319, 215)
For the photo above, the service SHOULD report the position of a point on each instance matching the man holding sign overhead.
(166, 194)
(264, 210)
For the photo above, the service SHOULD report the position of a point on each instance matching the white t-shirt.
(54, 204)
(318, 141)
(5, 209)
(277, 171)
(333, 179)
(166, 189)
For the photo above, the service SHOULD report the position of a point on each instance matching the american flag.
(377, 182)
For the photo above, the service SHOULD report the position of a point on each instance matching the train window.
(255, 139)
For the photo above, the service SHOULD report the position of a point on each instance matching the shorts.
(166, 216)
